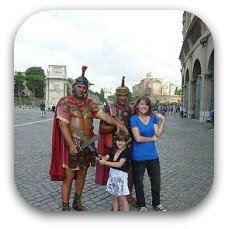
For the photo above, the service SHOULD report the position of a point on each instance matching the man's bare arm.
(106, 128)
(65, 130)
(112, 121)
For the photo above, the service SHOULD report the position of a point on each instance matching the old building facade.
(197, 61)
(156, 89)
(56, 84)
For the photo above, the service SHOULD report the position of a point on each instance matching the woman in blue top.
(146, 130)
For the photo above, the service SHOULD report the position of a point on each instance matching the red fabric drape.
(102, 171)
(56, 172)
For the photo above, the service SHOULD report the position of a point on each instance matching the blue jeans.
(153, 170)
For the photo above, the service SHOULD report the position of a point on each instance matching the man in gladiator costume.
(121, 111)
(72, 126)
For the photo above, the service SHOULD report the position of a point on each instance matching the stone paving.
(186, 154)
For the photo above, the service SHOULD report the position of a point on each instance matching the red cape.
(57, 172)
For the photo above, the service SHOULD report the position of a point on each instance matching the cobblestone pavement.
(186, 154)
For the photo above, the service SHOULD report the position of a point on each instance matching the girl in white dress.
(119, 160)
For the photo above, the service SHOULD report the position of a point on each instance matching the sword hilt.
(78, 147)
(95, 153)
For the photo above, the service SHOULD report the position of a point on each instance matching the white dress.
(117, 183)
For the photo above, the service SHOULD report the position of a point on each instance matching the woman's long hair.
(147, 102)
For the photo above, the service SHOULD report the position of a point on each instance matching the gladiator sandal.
(77, 205)
(66, 207)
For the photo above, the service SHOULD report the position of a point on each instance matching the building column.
(47, 93)
(192, 96)
(209, 95)
(204, 85)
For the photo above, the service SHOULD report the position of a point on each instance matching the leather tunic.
(122, 113)
(80, 120)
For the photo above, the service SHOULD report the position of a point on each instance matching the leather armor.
(82, 121)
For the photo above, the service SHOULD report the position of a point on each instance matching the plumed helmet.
(82, 79)
(122, 90)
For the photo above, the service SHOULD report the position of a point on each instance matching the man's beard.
(122, 103)
(80, 97)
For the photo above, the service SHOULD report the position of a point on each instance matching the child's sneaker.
(142, 209)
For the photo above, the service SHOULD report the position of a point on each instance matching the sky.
(112, 43)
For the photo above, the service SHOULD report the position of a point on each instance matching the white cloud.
(112, 43)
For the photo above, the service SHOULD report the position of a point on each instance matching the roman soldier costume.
(78, 113)
(120, 112)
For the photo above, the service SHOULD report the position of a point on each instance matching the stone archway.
(56, 82)
(210, 82)
(196, 89)
(186, 90)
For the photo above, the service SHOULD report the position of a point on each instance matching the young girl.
(119, 162)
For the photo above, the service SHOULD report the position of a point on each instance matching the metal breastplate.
(121, 114)
(82, 119)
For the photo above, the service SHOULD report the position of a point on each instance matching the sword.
(87, 143)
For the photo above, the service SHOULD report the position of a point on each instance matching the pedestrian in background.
(146, 130)
(42, 108)
(53, 108)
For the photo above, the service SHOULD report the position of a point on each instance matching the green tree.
(19, 86)
(177, 91)
(135, 95)
(102, 97)
(35, 78)
(38, 71)
(70, 82)
(111, 98)
(130, 97)
(94, 95)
